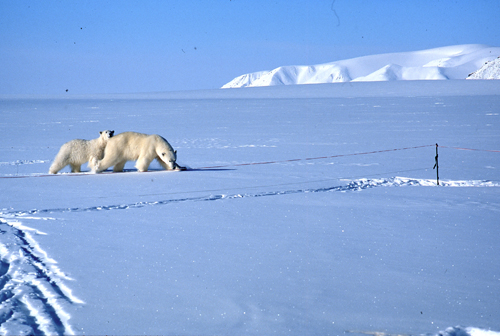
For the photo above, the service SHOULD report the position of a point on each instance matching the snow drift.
(453, 62)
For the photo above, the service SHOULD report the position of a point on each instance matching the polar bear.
(143, 148)
(78, 151)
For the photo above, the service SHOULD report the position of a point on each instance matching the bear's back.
(127, 138)
(128, 145)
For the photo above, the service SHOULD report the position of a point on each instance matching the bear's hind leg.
(59, 163)
(55, 167)
(61, 160)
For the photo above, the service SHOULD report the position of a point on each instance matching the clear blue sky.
(48, 47)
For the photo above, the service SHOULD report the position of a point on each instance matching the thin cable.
(472, 149)
(313, 158)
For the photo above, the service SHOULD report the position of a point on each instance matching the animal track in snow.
(22, 162)
(353, 185)
(218, 144)
(33, 295)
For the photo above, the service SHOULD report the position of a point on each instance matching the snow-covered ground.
(453, 62)
(337, 229)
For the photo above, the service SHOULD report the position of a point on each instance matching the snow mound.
(453, 62)
(490, 70)
(247, 79)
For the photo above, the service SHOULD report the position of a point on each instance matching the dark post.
(436, 166)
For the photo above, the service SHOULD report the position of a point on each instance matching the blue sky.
(48, 47)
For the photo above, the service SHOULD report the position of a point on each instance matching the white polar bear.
(78, 151)
(143, 148)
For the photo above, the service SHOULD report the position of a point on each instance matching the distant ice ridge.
(490, 70)
(453, 62)
(470, 331)
(451, 331)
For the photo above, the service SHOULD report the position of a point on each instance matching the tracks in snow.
(353, 185)
(22, 162)
(33, 296)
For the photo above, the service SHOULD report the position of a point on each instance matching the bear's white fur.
(78, 151)
(143, 148)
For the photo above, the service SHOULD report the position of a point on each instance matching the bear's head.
(166, 153)
(107, 134)
(169, 157)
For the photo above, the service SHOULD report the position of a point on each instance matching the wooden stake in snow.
(436, 166)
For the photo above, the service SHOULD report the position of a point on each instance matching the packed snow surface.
(306, 210)
(490, 70)
(453, 62)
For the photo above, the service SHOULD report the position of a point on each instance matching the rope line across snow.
(315, 158)
(472, 149)
(264, 162)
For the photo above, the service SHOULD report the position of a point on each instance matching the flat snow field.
(312, 240)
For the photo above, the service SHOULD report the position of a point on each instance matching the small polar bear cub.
(139, 147)
(78, 151)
